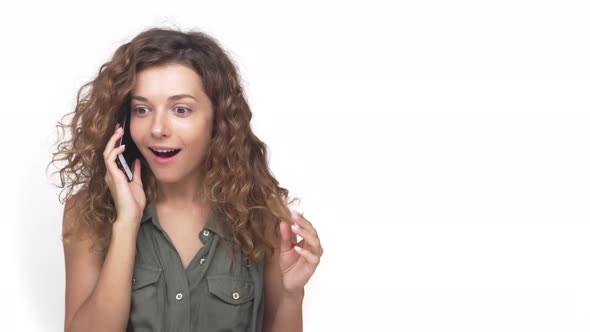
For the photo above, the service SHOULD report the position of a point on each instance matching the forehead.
(166, 80)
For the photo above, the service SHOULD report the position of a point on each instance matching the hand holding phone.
(121, 161)
(131, 153)
(126, 188)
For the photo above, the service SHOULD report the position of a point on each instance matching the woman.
(202, 237)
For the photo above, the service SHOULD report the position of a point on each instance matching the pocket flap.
(231, 289)
(144, 275)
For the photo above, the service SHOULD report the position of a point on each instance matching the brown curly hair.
(238, 176)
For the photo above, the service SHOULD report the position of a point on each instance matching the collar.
(214, 217)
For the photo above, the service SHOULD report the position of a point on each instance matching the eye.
(180, 110)
(183, 110)
(136, 110)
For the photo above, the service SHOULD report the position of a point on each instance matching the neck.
(183, 193)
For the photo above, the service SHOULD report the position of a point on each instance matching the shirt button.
(202, 261)
(236, 295)
(206, 232)
(179, 296)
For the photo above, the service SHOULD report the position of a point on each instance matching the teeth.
(163, 151)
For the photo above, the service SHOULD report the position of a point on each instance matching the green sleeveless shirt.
(214, 293)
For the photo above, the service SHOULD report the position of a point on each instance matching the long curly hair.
(237, 177)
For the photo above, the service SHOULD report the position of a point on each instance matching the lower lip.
(164, 161)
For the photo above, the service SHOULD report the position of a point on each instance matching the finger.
(303, 222)
(114, 153)
(318, 250)
(303, 244)
(313, 240)
(112, 165)
(308, 255)
(286, 234)
(112, 141)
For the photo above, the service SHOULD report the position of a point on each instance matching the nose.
(160, 126)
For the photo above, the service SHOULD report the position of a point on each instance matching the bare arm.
(282, 311)
(98, 294)
(287, 272)
(289, 315)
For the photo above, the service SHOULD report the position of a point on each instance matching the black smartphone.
(126, 159)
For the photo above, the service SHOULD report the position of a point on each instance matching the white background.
(441, 149)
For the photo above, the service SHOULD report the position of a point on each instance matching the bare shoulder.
(82, 264)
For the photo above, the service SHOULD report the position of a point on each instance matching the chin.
(167, 178)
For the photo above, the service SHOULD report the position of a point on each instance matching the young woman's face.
(160, 121)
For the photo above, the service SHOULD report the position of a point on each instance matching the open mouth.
(165, 153)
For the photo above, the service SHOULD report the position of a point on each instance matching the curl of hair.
(237, 176)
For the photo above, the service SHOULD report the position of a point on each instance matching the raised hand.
(298, 262)
(129, 197)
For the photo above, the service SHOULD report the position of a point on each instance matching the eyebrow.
(171, 98)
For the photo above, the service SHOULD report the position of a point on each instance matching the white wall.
(441, 149)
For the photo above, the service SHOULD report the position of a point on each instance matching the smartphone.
(126, 159)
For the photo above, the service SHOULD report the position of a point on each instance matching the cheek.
(133, 135)
(136, 132)
(198, 142)
(198, 135)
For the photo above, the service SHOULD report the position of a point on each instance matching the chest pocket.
(229, 303)
(147, 298)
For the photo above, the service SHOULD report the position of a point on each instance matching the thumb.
(137, 171)
(286, 235)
